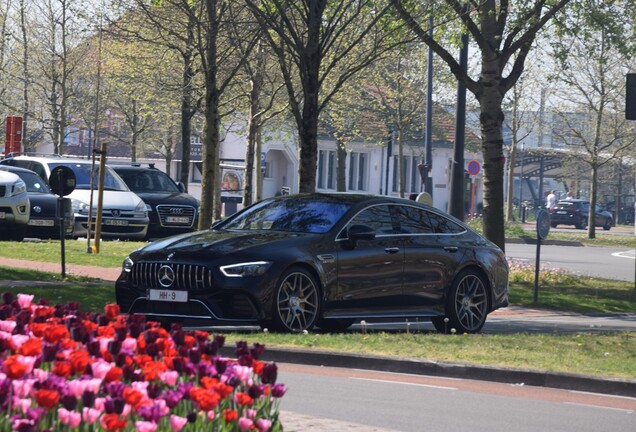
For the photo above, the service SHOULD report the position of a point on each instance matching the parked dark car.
(43, 221)
(295, 261)
(173, 211)
(576, 212)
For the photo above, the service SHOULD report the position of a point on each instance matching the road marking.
(599, 407)
(631, 254)
(405, 383)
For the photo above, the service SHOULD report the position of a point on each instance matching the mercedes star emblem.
(166, 276)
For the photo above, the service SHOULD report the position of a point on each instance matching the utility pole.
(457, 185)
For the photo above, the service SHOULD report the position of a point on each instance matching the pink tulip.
(245, 424)
(169, 377)
(24, 300)
(263, 425)
(7, 326)
(22, 387)
(71, 418)
(145, 426)
(90, 415)
(23, 404)
(100, 368)
(129, 344)
(19, 339)
(177, 423)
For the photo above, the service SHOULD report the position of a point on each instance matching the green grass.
(111, 253)
(610, 355)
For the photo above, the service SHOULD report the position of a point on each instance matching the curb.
(610, 386)
(530, 240)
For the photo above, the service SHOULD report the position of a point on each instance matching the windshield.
(112, 181)
(148, 181)
(293, 214)
(34, 183)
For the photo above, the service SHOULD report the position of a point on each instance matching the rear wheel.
(466, 305)
(582, 223)
(608, 225)
(296, 302)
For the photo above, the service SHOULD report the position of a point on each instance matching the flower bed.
(67, 370)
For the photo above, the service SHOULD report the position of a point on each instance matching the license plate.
(561, 212)
(3, 215)
(168, 295)
(116, 222)
(178, 219)
(41, 222)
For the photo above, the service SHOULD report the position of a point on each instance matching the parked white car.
(14, 207)
(124, 214)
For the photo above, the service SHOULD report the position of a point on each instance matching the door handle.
(451, 248)
(392, 250)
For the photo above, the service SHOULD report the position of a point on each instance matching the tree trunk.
(187, 112)
(510, 195)
(341, 170)
(491, 120)
(210, 184)
(591, 216)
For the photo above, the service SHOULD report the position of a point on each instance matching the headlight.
(127, 265)
(79, 206)
(142, 206)
(257, 268)
(18, 188)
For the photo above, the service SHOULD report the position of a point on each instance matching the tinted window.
(443, 225)
(414, 220)
(376, 217)
(291, 214)
(148, 181)
(34, 183)
(83, 176)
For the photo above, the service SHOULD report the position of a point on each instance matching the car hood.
(46, 202)
(211, 244)
(120, 200)
(171, 198)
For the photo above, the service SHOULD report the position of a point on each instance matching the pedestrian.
(569, 196)
(551, 200)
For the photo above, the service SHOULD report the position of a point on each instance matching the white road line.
(631, 254)
(405, 383)
(599, 407)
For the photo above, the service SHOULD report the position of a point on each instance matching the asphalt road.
(598, 261)
(357, 400)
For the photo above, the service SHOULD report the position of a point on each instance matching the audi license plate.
(178, 219)
(41, 222)
(561, 212)
(168, 295)
(116, 222)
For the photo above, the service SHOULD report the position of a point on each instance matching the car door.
(431, 255)
(370, 271)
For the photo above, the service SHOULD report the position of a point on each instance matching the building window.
(410, 176)
(326, 169)
(358, 171)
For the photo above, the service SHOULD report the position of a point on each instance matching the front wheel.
(296, 302)
(466, 305)
(608, 225)
(582, 224)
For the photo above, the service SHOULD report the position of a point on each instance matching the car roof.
(16, 169)
(48, 158)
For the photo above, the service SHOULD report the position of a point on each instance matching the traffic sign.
(62, 180)
(473, 167)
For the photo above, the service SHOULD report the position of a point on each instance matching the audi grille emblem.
(176, 210)
(116, 213)
(166, 276)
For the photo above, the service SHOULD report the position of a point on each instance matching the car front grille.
(173, 215)
(187, 277)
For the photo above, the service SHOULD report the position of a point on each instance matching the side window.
(377, 217)
(443, 225)
(413, 220)
(39, 169)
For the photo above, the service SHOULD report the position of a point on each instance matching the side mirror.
(355, 233)
(181, 187)
(360, 232)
